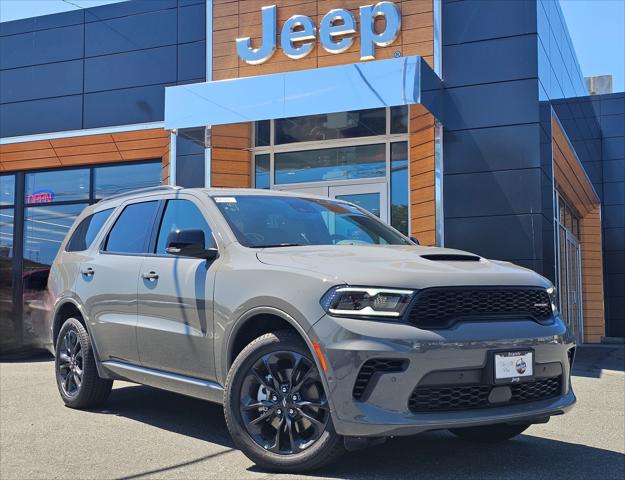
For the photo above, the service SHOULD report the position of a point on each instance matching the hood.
(402, 266)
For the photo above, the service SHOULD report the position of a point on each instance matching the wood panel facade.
(573, 184)
(242, 18)
(87, 150)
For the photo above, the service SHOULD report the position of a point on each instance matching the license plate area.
(513, 366)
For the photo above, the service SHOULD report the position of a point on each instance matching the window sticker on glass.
(225, 200)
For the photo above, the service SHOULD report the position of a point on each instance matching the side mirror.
(189, 243)
(415, 240)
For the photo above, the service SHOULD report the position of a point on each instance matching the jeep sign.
(336, 33)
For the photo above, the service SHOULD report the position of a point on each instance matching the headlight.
(553, 298)
(366, 302)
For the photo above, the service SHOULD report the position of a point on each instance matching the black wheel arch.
(271, 319)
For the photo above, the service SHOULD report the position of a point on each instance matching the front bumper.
(348, 343)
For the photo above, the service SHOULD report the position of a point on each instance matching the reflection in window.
(182, 215)
(57, 186)
(7, 189)
(367, 201)
(7, 318)
(358, 123)
(132, 228)
(86, 232)
(44, 230)
(123, 178)
(399, 186)
(261, 172)
(343, 163)
(262, 133)
(399, 119)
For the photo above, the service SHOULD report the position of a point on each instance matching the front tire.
(276, 408)
(490, 433)
(77, 377)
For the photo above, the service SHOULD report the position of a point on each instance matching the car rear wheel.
(276, 407)
(76, 373)
(490, 433)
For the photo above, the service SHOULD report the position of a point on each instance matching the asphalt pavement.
(147, 433)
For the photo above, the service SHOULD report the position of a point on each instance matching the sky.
(597, 28)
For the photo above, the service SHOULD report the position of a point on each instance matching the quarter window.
(132, 229)
(182, 215)
(87, 230)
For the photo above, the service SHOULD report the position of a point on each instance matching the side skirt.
(192, 387)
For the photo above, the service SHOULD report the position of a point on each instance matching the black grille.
(373, 366)
(440, 307)
(465, 397)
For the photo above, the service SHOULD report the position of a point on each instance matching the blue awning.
(380, 83)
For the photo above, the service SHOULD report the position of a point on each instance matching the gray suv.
(318, 327)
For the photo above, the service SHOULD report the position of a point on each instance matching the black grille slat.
(466, 397)
(373, 366)
(440, 307)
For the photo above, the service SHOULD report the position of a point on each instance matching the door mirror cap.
(415, 240)
(189, 243)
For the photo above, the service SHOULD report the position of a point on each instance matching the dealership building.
(465, 124)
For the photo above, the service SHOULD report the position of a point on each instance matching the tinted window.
(57, 186)
(87, 231)
(358, 123)
(264, 221)
(132, 229)
(342, 163)
(261, 172)
(122, 178)
(182, 215)
(7, 189)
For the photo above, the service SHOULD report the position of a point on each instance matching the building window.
(399, 186)
(37, 208)
(341, 163)
(330, 153)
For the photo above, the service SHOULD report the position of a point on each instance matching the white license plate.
(513, 365)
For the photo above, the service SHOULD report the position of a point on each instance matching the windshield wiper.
(280, 245)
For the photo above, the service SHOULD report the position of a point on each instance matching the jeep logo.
(336, 33)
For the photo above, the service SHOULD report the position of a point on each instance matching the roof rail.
(142, 190)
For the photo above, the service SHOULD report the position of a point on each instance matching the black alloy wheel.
(70, 363)
(276, 406)
(283, 404)
(77, 376)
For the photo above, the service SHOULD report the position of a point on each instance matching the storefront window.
(399, 186)
(7, 190)
(261, 173)
(262, 133)
(121, 178)
(399, 119)
(342, 163)
(359, 123)
(57, 186)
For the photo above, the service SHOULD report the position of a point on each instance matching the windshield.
(272, 221)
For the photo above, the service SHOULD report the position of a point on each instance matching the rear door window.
(132, 229)
(87, 230)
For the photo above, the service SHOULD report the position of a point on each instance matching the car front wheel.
(276, 407)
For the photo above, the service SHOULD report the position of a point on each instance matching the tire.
(490, 433)
(254, 389)
(76, 373)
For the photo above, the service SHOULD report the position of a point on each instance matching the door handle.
(152, 276)
(88, 272)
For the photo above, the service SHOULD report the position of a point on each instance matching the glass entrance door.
(574, 282)
(370, 196)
